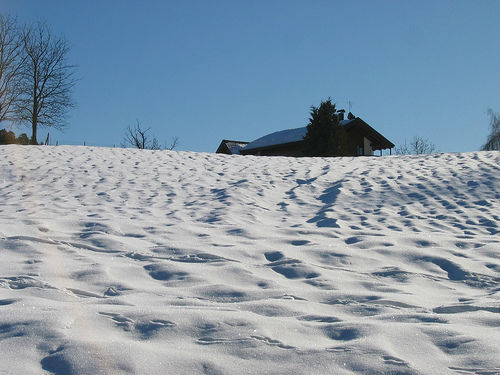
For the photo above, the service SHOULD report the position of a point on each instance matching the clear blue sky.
(208, 70)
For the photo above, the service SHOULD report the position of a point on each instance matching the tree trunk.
(34, 115)
(34, 123)
(33, 140)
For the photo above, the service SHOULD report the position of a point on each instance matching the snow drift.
(120, 261)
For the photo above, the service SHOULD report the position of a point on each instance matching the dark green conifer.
(7, 137)
(325, 135)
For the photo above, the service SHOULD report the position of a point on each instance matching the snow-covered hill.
(120, 261)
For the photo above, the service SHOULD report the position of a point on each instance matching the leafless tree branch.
(417, 146)
(11, 62)
(47, 80)
(493, 140)
(138, 137)
(173, 145)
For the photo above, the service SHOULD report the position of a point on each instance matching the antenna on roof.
(350, 116)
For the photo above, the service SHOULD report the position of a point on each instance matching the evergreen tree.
(23, 139)
(7, 137)
(325, 136)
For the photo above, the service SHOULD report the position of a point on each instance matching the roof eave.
(379, 142)
(244, 151)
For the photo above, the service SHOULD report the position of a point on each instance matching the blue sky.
(208, 70)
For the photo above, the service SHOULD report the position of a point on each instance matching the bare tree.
(139, 138)
(173, 144)
(417, 146)
(11, 62)
(493, 140)
(46, 80)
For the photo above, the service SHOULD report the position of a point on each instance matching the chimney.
(340, 114)
(350, 116)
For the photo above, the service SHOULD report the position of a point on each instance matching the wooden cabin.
(361, 140)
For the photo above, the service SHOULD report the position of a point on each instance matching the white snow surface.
(121, 261)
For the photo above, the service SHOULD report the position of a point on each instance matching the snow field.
(121, 261)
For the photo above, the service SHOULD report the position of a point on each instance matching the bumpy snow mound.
(119, 261)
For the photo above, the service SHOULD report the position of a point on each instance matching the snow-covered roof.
(278, 138)
(346, 121)
(235, 147)
(282, 137)
(230, 147)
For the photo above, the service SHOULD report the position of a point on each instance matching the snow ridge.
(121, 261)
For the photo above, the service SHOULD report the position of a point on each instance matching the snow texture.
(121, 261)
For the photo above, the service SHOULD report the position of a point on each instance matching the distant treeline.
(9, 138)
